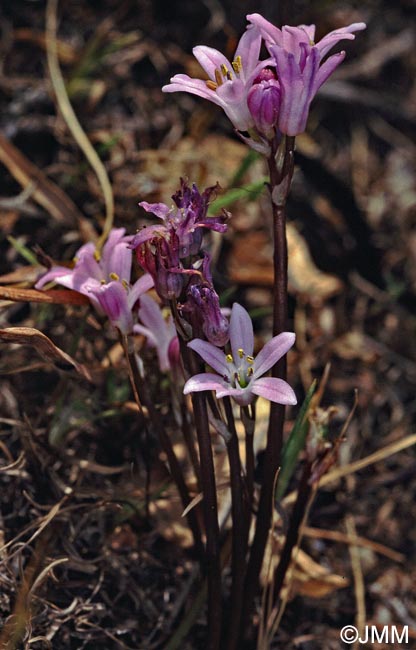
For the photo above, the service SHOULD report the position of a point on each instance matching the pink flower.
(104, 278)
(160, 333)
(229, 82)
(299, 66)
(239, 374)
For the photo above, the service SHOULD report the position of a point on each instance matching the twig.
(357, 571)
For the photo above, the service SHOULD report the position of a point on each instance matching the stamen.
(240, 352)
(229, 358)
(75, 259)
(224, 69)
(114, 276)
(229, 75)
(103, 281)
(250, 359)
(97, 255)
(125, 284)
(218, 77)
(211, 85)
(250, 371)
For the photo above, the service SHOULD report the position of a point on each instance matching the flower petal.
(275, 390)
(274, 350)
(328, 41)
(243, 396)
(210, 59)
(270, 33)
(118, 261)
(112, 298)
(241, 332)
(326, 69)
(159, 209)
(141, 285)
(184, 83)
(249, 50)
(212, 355)
(59, 274)
(233, 96)
(204, 381)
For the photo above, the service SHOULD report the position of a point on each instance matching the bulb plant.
(207, 352)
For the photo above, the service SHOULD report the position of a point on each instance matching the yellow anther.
(102, 281)
(97, 255)
(229, 358)
(211, 85)
(224, 69)
(240, 352)
(125, 284)
(218, 77)
(114, 276)
(250, 359)
(250, 371)
(229, 75)
(75, 259)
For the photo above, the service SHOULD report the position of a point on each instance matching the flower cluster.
(171, 252)
(262, 97)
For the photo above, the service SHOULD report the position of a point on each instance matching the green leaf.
(249, 192)
(294, 444)
(24, 251)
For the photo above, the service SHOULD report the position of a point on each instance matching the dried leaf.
(53, 296)
(44, 192)
(251, 263)
(311, 579)
(44, 346)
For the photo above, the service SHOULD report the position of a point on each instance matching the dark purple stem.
(210, 510)
(142, 397)
(281, 171)
(239, 531)
(209, 504)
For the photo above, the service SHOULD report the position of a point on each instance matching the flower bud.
(264, 103)
(205, 304)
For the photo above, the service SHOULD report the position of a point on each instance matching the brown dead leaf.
(53, 296)
(304, 276)
(45, 347)
(56, 202)
(66, 53)
(27, 273)
(251, 263)
(354, 345)
(311, 579)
